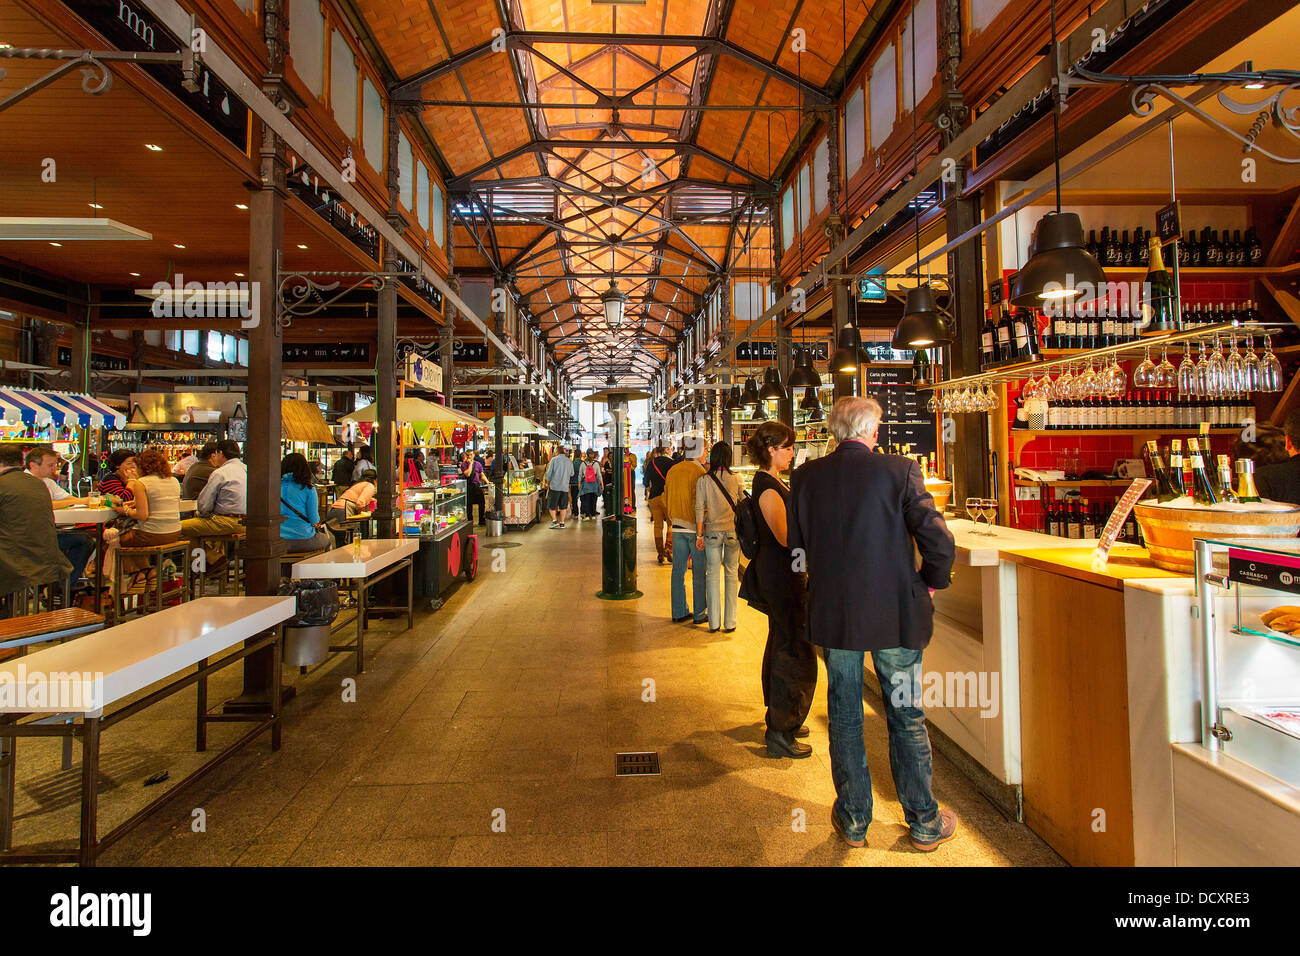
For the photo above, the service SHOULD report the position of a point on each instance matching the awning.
(415, 410)
(58, 408)
(515, 425)
(303, 421)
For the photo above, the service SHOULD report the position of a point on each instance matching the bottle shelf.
(1022, 436)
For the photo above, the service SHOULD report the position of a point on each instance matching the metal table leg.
(8, 754)
(277, 705)
(410, 593)
(361, 623)
(89, 791)
(201, 725)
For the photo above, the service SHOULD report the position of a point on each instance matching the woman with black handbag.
(789, 661)
(300, 507)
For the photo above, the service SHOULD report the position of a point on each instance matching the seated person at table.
(352, 502)
(29, 543)
(223, 502)
(155, 507)
(1281, 481)
(119, 470)
(210, 460)
(301, 527)
(43, 463)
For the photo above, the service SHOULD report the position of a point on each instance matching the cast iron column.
(497, 359)
(968, 460)
(382, 439)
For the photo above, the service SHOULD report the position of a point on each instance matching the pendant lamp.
(750, 396)
(810, 400)
(803, 375)
(849, 353)
(772, 387)
(733, 402)
(760, 413)
(922, 326)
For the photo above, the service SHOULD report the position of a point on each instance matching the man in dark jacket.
(199, 472)
(657, 466)
(341, 473)
(854, 517)
(1281, 481)
(29, 541)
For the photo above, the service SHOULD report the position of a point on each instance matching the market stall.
(521, 504)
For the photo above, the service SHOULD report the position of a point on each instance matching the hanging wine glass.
(1085, 385)
(1186, 373)
(932, 405)
(1216, 375)
(1202, 380)
(1270, 369)
(991, 400)
(1117, 380)
(1236, 370)
(1166, 375)
(1065, 384)
(1030, 390)
(1142, 375)
(1251, 366)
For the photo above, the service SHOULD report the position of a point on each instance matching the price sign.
(1264, 569)
(996, 293)
(1169, 222)
(1116, 521)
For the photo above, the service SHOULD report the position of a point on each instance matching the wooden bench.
(365, 563)
(79, 682)
(48, 626)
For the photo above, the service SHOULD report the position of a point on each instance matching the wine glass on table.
(989, 508)
(973, 511)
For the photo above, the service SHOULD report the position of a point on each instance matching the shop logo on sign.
(135, 23)
(210, 300)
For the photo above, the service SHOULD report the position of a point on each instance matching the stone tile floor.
(486, 735)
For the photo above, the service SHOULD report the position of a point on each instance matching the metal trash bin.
(496, 524)
(307, 633)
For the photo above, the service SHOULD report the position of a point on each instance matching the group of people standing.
(834, 569)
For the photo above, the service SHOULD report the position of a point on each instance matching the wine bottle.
(1165, 490)
(1202, 489)
(1005, 338)
(1214, 252)
(1113, 255)
(1140, 242)
(1254, 251)
(1091, 245)
(1104, 248)
(1238, 250)
(1185, 252)
(1176, 472)
(1225, 480)
(1026, 318)
(1089, 529)
(988, 334)
(1158, 288)
(1246, 490)
(1074, 522)
(1051, 520)
(1020, 339)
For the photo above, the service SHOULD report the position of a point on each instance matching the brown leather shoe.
(948, 830)
(802, 732)
(839, 828)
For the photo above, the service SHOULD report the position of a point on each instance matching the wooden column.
(382, 439)
(784, 359)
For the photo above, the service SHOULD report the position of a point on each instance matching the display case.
(1252, 652)
(746, 475)
(520, 506)
(433, 511)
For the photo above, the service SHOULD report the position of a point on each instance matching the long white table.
(68, 517)
(366, 562)
(83, 679)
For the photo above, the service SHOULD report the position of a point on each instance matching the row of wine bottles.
(1078, 519)
(1159, 409)
(1208, 482)
(1116, 249)
(1012, 337)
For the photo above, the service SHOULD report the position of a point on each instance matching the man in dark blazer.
(1281, 481)
(854, 518)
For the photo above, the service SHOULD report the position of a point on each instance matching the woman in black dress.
(789, 661)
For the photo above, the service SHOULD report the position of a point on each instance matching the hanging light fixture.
(849, 354)
(922, 325)
(810, 400)
(803, 375)
(734, 402)
(772, 387)
(614, 301)
(750, 396)
(1059, 267)
(759, 414)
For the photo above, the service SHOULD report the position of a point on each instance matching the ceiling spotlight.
(750, 396)
(302, 246)
(178, 245)
(810, 400)
(1059, 266)
(136, 274)
(849, 354)
(151, 147)
(94, 205)
(803, 374)
(59, 244)
(241, 205)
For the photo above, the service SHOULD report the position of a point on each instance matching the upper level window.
(927, 51)
(787, 217)
(982, 12)
(439, 214)
(854, 132)
(405, 171)
(343, 85)
(805, 198)
(883, 95)
(372, 124)
(307, 43)
(422, 194)
(821, 171)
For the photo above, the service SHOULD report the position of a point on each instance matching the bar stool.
(155, 554)
(229, 574)
(288, 560)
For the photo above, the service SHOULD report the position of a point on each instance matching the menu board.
(906, 420)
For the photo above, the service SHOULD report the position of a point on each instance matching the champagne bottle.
(1225, 480)
(1176, 471)
(1159, 287)
(1246, 490)
(1202, 489)
(1165, 490)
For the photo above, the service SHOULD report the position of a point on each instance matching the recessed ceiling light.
(178, 245)
(239, 275)
(95, 205)
(136, 274)
(301, 246)
(241, 205)
(151, 146)
(56, 243)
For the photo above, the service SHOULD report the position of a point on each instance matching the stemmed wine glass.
(1217, 373)
(1251, 366)
(1186, 374)
(1142, 375)
(1202, 380)
(1270, 373)
(1065, 384)
(1236, 369)
(1166, 376)
(1086, 384)
(973, 511)
(989, 508)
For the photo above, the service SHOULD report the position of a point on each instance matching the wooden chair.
(155, 555)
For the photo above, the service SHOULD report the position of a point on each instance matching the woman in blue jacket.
(300, 506)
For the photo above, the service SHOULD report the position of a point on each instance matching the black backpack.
(746, 519)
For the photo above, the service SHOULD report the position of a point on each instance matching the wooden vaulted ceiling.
(578, 149)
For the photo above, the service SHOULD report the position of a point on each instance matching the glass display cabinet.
(431, 511)
(438, 514)
(1251, 644)
(746, 475)
(520, 506)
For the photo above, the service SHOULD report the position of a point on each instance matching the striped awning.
(58, 408)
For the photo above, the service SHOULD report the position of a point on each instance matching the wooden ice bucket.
(1169, 532)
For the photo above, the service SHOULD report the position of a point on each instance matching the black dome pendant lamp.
(749, 396)
(803, 375)
(772, 387)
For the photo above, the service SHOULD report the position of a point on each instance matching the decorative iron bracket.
(299, 294)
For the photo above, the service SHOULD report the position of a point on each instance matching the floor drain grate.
(637, 764)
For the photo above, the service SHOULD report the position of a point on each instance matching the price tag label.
(1264, 569)
(1110, 533)
(1169, 222)
(996, 293)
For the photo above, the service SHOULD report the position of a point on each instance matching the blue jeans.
(77, 548)
(899, 670)
(722, 551)
(684, 549)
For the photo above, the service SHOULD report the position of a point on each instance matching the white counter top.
(358, 560)
(981, 550)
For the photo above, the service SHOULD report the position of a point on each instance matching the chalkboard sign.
(907, 420)
(996, 296)
(1169, 222)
